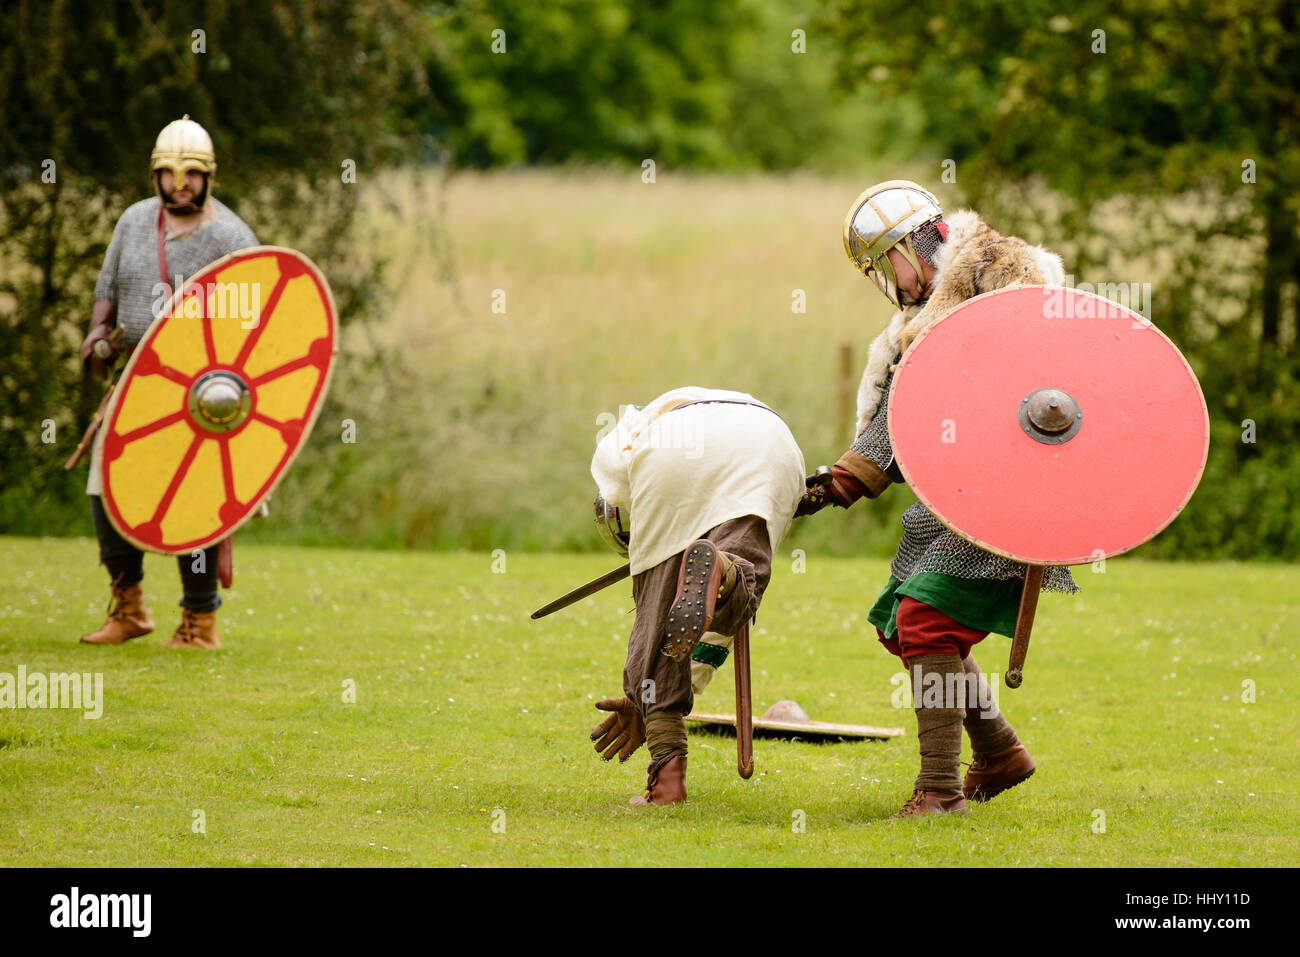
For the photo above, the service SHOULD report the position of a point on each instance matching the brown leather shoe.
(127, 618)
(706, 578)
(196, 630)
(922, 803)
(991, 775)
(668, 786)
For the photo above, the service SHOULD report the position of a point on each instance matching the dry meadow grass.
(607, 291)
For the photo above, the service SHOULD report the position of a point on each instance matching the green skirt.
(985, 604)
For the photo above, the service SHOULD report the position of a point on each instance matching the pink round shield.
(1049, 425)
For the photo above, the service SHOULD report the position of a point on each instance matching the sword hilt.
(821, 478)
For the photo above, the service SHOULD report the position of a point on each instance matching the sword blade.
(582, 591)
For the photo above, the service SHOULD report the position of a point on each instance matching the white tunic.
(681, 471)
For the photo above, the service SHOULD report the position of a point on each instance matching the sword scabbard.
(89, 435)
(744, 705)
(1024, 625)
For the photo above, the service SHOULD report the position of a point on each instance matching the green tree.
(515, 81)
(722, 85)
(1145, 141)
(290, 91)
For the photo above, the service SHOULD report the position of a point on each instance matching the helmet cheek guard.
(614, 525)
(886, 278)
(882, 274)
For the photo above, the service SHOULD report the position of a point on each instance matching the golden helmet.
(881, 218)
(183, 146)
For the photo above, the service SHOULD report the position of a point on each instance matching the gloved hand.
(839, 488)
(814, 500)
(621, 733)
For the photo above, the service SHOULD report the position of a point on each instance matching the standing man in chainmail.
(157, 244)
(944, 594)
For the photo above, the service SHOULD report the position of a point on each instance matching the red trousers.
(923, 630)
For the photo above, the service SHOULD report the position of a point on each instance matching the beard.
(906, 299)
(190, 207)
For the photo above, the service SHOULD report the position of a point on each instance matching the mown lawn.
(467, 714)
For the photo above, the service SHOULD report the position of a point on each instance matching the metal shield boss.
(217, 399)
(1049, 425)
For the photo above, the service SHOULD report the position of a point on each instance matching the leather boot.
(706, 579)
(127, 618)
(668, 786)
(922, 803)
(990, 775)
(198, 629)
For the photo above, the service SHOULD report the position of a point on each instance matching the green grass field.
(467, 715)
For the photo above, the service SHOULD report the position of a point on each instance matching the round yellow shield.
(217, 399)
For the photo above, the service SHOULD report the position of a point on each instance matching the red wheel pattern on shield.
(233, 508)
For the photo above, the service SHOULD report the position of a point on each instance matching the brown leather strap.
(757, 405)
(161, 230)
(681, 405)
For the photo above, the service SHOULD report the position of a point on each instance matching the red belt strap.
(162, 252)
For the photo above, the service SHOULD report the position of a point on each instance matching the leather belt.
(757, 405)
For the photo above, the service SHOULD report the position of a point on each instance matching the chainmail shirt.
(132, 281)
(130, 277)
(927, 544)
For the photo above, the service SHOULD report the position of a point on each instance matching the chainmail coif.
(926, 241)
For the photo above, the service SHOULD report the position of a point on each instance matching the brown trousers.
(655, 682)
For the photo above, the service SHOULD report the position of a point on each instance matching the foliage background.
(522, 171)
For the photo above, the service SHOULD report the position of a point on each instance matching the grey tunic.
(927, 544)
(132, 280)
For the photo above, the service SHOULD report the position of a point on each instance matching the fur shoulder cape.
(975, 259)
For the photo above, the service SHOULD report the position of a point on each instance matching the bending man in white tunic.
(711, 480)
